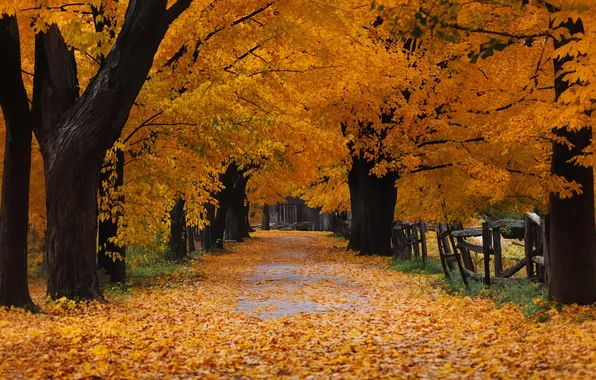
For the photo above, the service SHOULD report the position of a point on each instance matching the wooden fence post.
(442, 249)
(446, 247)
(414, 240)
(528, 245)
(486, 241)
(498, 252)
(423, 242)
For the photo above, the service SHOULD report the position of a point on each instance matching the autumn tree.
(75, 131)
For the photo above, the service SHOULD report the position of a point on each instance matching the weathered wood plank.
(470, 246)
(522, 263)
(445, 240)
(443, 231)
(423, 242)
(497, 252)
(486, 240)
(538, 259)
(534, 218)
(465, 253)
(514, 269)
(510, 223)
(415, 240)
(401, 225)
(468, 232)
(442, 250)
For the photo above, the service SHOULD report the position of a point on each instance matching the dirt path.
(293, 305)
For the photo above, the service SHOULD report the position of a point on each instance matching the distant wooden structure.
(294, 214)
(459, 248)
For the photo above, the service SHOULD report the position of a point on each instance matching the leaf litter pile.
(294, 305)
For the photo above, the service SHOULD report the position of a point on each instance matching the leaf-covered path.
(294, 304)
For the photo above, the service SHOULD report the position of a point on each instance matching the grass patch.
(432, 266)
(531, 297)
(150, 268)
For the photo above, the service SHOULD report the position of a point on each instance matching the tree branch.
(143, 124)
(428, 168)
(195, 53)
(444, 141)
(176, 10)
(496, 32)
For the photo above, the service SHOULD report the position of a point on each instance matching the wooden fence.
(453, 245)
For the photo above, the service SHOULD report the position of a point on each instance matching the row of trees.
(172, 117)
(522, 63)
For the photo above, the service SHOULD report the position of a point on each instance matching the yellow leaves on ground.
(295, 305)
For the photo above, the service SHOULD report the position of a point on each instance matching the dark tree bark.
(178, 231)
(234, 224)
(248, 227)
(14, 290)
(265, 223)
(237, 210)
(113, 263)
(373, 203)
(190, 239)
(230, 219)
(572, 252)
(219, 223)
(208, 241)
(74, 134)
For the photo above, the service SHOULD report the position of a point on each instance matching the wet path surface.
(280, 289)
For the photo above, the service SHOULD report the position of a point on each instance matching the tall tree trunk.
(75, 132)
(248, 227)
(72, 221)
(114, 261)
(373, 203)
(572, 251)
(237, 210)
(190, 239)
(265, 223)
(208, 241)
(234, 224)
(230, 219)
(14, 214)
(178, 230)
(236, 218)
(219, 224)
